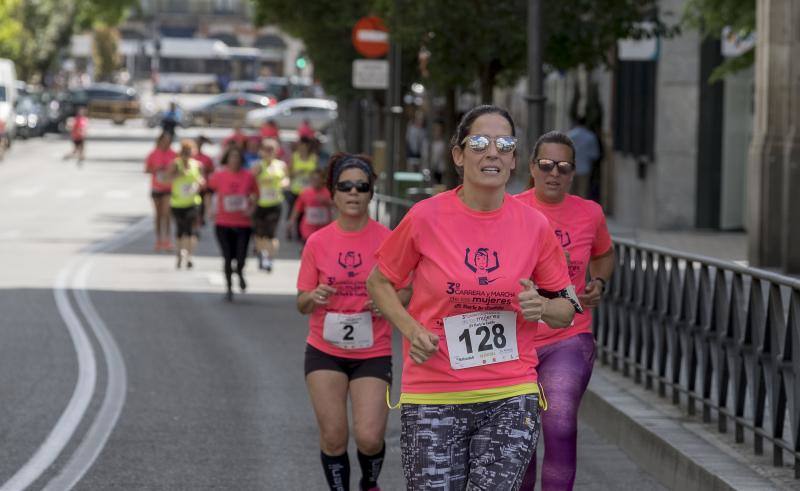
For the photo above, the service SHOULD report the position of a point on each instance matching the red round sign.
(371, 37)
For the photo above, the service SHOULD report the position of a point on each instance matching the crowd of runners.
(492, 293)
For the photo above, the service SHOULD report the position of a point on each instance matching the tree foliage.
(325, 28)
(487, 41)
(105, 52)
(711, 16)
(468, 40)
(42, 28)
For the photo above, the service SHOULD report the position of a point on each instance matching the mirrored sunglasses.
(479, 143)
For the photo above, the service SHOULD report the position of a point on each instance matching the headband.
(351, 163)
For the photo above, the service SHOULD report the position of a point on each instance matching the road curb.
(659, 443)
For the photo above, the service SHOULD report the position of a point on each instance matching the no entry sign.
(371, 37)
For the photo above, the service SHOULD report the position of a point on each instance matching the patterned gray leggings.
(485, 445)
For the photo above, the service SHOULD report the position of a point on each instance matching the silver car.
(289, 113)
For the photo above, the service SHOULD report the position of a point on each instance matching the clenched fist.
(531, 303)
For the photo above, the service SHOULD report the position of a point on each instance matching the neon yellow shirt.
(301, 171)
(186, 185)
(270, 182)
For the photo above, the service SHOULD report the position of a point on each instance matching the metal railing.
(389, 210)
(710, 333)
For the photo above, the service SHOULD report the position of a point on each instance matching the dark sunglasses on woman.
(346, 186)
(546, 165)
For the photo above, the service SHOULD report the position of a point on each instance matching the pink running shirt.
(236, 193)
(157, 164)
(580, 228)
(315, 204)
(79, 125)
(465, 261)
(344, 260)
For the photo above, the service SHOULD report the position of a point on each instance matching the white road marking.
(116, 388)
(97, 435)
(66, 425)
(70, 193)
(10, 234)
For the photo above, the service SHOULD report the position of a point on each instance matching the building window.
(225, 6)
(635, 108)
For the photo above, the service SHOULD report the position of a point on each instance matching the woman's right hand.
(423, 344)
(321, 294)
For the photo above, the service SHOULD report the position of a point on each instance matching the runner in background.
(157, 165)
(272, 175)
(313, 208)
(269, 130)
(306, 131)
(237, 192)
(483, 264)
(303, 162)
(238, 138)
(566, 356)
(185, 200)
(349, 345)
(252, 152)
(78, 128)
(206, 168)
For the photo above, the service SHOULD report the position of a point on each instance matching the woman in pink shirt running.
(349, 345)
(157, 165)
(566, 356)
(237, 191)
(469, 394)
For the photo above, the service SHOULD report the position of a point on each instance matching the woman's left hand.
(370, 305)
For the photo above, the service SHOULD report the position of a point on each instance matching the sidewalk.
(680, 451)
(730, 246)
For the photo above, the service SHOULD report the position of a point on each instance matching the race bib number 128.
(481, 338)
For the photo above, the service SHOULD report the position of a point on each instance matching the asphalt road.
(119, 372)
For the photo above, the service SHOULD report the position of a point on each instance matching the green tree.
(104, 52)
(46, 27)
(487, 41)
(711, 16)
(325, 27)
(10, 30)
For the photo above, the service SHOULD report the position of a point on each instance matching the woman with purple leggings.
(566, 355)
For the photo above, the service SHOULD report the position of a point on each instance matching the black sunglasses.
(546, 165)
(360, 186)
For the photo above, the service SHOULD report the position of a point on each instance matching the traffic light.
(301, 62)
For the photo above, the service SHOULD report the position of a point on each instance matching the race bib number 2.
(234, 202)
(348, 331)
(481, 338)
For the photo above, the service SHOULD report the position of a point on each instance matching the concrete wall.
(664, 197)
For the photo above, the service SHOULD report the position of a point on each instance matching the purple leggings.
(564, 371)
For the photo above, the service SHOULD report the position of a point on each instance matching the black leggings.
(185, 221)
(233, 242)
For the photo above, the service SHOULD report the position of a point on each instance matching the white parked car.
(289, 113)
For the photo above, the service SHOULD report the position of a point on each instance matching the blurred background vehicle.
(290, 113)
(229, 109)
(31, 117)
(118, 103)
(8, 99)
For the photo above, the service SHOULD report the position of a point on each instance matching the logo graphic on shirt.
(480, 262)
(350, 260)
(563, 237)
